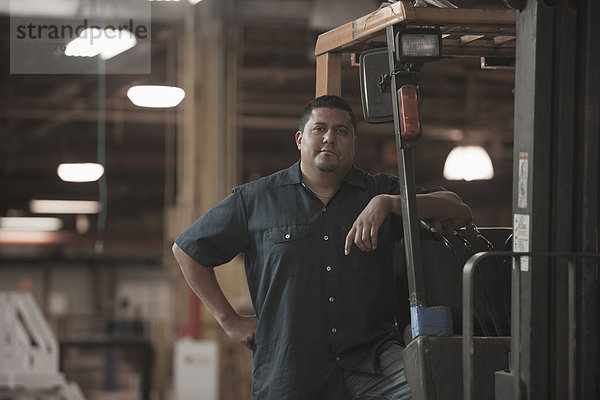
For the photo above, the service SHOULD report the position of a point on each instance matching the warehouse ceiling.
(46, 120)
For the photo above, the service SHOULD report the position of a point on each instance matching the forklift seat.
(433, 364)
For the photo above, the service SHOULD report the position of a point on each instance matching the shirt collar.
(292, 175)
(354, 177)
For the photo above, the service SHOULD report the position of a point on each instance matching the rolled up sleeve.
(219, 235)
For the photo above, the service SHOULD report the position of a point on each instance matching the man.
(317, 240)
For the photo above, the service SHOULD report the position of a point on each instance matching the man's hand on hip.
(241, 329)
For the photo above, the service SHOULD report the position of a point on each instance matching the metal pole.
(406, 175)
(533, 176)
(515, 327)
(572, 329)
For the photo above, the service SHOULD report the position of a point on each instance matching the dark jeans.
(391, 384)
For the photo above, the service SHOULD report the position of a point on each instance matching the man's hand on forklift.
(444, 210)
(364, 230)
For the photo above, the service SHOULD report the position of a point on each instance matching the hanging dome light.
(155, 96)
(468, 163)
(80, 172)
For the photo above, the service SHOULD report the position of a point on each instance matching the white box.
(196, 370)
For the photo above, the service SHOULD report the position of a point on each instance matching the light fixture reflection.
(80, 172)
(468, 163)
(64, 207)
(107, 43)
(30, 224)
(155, 96)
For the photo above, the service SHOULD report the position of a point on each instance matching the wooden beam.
(329, 74)
(473, 17)
(363, 29)
(89, 115)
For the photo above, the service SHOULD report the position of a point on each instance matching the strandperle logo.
(35, 31)
(106, 37)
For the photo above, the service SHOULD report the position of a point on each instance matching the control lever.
(442, 239)
(473, 231)
(464, 240)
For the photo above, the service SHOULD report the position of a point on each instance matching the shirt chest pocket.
(289, 249)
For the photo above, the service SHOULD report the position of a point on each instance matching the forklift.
(528, 309)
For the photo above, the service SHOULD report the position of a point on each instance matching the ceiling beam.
(49, 114)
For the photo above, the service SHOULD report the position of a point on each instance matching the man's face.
(328, 140)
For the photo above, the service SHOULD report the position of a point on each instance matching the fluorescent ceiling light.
(124, 40)
(194, 2)
(155, 96)
(40, 8)
(30, 224)
(80, 172)
(107, 43)
(468, 163)
(64, 207)
(28, 237)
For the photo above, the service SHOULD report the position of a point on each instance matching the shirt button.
(328, 268)
(325, 237)
(331, 299)
(333, 330)
(287, 235)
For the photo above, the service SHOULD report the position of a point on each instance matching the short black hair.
(326, 101)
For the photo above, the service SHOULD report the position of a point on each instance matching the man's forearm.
(203, 282)
(435, 206)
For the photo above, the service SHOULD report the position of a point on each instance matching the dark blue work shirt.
(318, 310)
